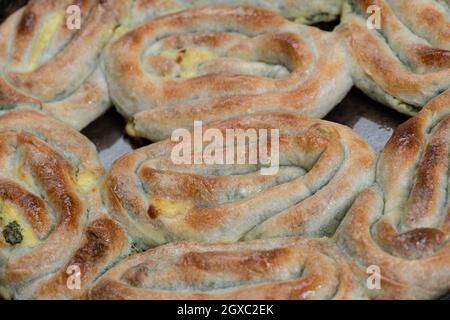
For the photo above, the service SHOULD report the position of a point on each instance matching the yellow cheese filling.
(189, 59)
(130, 129)
(86, 182)
(168, 208)
(48, 29)
(9, 213)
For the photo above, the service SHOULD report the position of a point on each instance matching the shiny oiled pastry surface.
(399, 225)
(292, 268)
(406, 62)
(402, 224)
(51, 183)
(373, 122)
(322, 167)
(46, 66)
(51, 212)
(218, 62)
(303, 11)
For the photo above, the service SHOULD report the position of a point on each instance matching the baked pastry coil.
(322, 166)
(47, 66)
(303, 11)
(406, 62)
(52, 216)
(220, 62)
(290, 268)
(402, 226)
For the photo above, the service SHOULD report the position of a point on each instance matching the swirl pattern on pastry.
(292, 268)
(219, 62)
(51, 211)
(303, 11)
(46, 66)
(322, 167)
(403, 225)
(405, 63)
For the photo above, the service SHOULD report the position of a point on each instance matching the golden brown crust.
(404, 226)
(293, 268)
(222, 68)
(34, 208)
(399, 64)
(159, 201)
(46, 66)
(51, 181)
(49, 186)
(303, 11)
(102, 244)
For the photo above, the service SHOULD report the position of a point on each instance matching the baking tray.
(371, 120)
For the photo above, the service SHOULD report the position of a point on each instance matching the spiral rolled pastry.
(322, 167)
(219, 62)
(303, 11)
(406, 62)
(46, 66)
(52, 216)
(291, 268)
(403, 226)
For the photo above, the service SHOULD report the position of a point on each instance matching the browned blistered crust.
(318, 75)
(69, 85)
(214, 208)
(102, 243)
(293, 268)
(41, 160)
(405, 63)
(302, 11)
(34, 208)
(403, 225)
